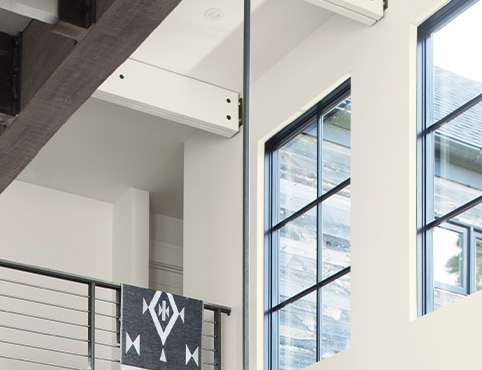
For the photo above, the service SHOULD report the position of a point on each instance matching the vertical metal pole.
(91, 319)
(246, 177)
(217, 340)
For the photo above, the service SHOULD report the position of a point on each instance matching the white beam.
(41, 10)
(172, 96)
(365, 11)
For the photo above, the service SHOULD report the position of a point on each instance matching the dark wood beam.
(59, 74)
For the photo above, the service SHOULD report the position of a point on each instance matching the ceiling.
(104, 149)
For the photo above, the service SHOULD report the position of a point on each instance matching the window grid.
(428, 221)
(275, 303)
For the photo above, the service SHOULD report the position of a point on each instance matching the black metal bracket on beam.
(240, 111)
(10, 53)
(80, 13)
(75, 17)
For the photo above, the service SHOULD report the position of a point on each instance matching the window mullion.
(319, 226)
(274, 258)
(429, 216)
(429, 171)
(471, 261)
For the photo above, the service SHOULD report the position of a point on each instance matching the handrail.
(58, 274)
(85, 280)
(50, 297)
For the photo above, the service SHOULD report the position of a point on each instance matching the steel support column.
(246, 178)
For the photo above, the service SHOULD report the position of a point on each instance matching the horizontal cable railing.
(50, 319)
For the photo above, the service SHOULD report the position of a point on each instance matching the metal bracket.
(80, 13)
(240, 108)
(10, 53)
(75, 18)
(385, 4)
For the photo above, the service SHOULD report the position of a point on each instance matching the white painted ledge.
(365, 11)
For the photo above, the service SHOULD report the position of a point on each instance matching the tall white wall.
(212, 231)
(165, 254)
(386, 334)
(52, 229)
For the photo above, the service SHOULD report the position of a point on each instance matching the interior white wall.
(56, 230)
(381, 61)
(213, 233)
(165, 253)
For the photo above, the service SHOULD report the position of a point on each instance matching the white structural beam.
(41, 10)
(365, 11)
(165, 94)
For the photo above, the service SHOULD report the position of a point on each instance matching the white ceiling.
(105, 149)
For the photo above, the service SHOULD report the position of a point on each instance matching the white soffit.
(41, 10)
(365, 11)
(165, 94)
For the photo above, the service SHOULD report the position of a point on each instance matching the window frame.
(273, 224)
(426, 222)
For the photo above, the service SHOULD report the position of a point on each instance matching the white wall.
(385, 332)
(165, 254)
(130, 237)
(56, 230)
(212, 231)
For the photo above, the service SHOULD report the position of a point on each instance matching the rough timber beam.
(59, 75)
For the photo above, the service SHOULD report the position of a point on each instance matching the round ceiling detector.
(214, 14)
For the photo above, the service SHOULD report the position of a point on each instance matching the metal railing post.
(217, 339)
(91, 324)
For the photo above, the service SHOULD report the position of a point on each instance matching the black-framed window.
(308, 236)
(450, 155)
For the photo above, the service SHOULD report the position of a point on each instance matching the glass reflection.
(298, 171)
(297, 255)
(458, 167)
(448, 256)
(335, 319)
(298, 334)
(336, 146)
(336, 233)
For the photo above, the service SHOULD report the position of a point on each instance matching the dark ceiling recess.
(80, 13)
(10, 51)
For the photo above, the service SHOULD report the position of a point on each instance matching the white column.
(130, 238)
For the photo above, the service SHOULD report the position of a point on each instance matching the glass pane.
(298, 334)
(471, 217)
(335, 317)
(297, 255)
(336, 145)
(457, 61)
(448, 258)
(298, 171)
(336, 233)
(478, 261)
(443, 298)
(458, 168)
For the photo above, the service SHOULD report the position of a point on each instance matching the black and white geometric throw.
(159, 330)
